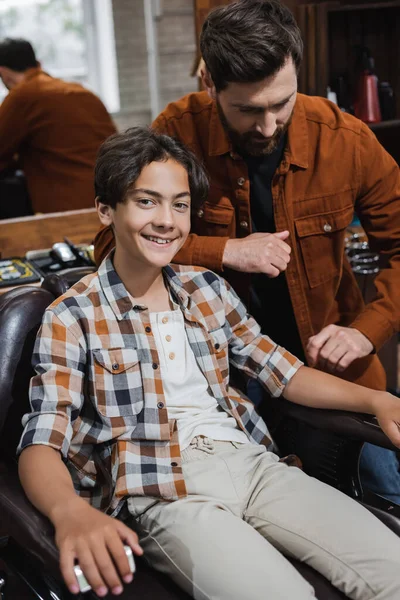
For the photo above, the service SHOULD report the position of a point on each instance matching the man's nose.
(267, 125)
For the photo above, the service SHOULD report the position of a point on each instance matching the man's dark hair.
(123, 156)
(17, 55)
(249, 40)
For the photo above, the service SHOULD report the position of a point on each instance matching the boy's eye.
(181, 206)
(146, 202)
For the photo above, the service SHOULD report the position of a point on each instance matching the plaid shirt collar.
(122, 303)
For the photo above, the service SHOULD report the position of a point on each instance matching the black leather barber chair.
(27, 544)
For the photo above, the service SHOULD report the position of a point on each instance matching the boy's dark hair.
(123, 156)
(249, 40)
(17, 55)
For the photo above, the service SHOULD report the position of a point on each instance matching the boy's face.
(153, 222)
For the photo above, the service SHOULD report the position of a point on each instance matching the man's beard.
(252, 142)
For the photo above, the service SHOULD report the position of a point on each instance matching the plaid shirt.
(98, 394)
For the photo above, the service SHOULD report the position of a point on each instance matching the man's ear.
(104, 211)
(208, 83)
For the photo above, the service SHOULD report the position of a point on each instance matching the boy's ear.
(208, 83)
(104, 211)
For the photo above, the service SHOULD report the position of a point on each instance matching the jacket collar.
(297, 151)
(298, 135)
(219, 142)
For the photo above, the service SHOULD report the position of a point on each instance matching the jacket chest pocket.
(215, 219)
(118, 383)
(321, 240)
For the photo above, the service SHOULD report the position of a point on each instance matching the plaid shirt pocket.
(118, 384)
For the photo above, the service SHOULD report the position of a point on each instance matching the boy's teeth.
(158, 240)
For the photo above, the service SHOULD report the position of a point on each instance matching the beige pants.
(244, 511)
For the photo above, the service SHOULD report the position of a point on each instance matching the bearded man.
(287, 173)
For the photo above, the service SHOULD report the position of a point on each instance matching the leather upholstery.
(21, 311)
(356, 426)
(59, 283)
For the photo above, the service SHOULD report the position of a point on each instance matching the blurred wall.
(176, 45)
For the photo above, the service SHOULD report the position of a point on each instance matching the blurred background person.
(51, 129)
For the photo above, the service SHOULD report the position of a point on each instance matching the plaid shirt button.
(174, 464)
(160, 404)
(216, 346)
(115, 367)
(148, 329)
(155, 366)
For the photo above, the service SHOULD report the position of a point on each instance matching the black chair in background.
(14, 196)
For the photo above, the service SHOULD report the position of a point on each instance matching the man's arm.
(378, 207)
(82, 533)
(334, 348)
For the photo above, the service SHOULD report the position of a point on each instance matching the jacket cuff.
(209, 253)
(374, 326)
(202, 251)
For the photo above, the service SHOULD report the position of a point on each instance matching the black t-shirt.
(270, 302)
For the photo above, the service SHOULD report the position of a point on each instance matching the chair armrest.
(22, 522)
(356, 426)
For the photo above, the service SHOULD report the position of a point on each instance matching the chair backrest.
(58, 283)
(21, 312)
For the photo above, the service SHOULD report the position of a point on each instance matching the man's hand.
(96, 541)
(258, 253)
(387, 412)
(334, 348)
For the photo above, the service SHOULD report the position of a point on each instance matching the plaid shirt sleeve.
(254, 353)
(56, 391)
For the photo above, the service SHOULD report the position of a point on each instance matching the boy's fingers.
(91, 572)
(116, 549)
(67, 560)
(129, 537)
(107, 569)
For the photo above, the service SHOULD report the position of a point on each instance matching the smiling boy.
(133, 415)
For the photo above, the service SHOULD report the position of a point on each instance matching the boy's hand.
(95, 541)
(387, 411)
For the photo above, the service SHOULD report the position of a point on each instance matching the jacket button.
(244, 224)
(115, 367)
(241, 180)
(160, 404)
(327, 227)
(200, 213)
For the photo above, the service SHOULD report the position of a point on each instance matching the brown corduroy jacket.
(332, 165)
(56, 128)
